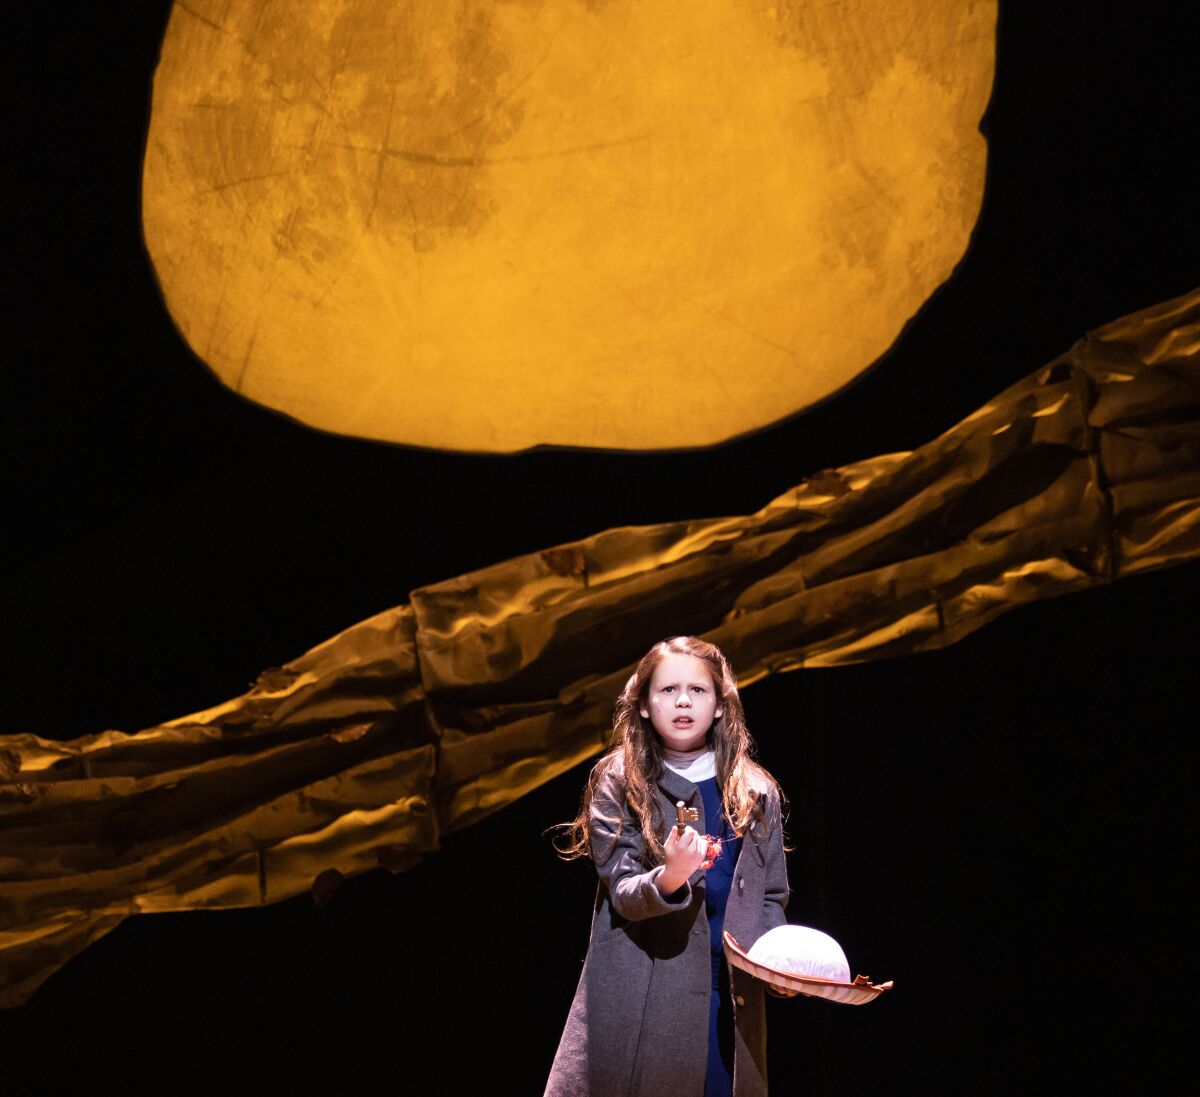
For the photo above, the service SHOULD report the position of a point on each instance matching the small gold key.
(684, 815)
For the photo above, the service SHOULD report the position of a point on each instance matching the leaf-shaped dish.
(858, 993)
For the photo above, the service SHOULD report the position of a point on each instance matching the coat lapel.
(677, 787)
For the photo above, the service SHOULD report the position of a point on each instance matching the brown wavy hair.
(637, 752)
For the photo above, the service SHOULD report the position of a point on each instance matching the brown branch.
(427, 717)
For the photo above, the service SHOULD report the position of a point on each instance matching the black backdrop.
(1001, 828)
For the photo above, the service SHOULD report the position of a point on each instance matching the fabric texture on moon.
(801, 950)
(483, 226)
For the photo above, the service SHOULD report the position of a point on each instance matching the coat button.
(741, 883)
(739, 1000)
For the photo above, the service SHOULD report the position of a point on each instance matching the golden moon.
(487, 225)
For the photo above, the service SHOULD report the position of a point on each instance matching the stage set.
(384, 379)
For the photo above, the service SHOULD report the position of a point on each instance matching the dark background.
(1001, 828)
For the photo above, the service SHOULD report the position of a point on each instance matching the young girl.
(655, 1013)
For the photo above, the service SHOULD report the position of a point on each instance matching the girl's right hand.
(684, 853)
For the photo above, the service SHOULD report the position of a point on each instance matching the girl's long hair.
(637, 752)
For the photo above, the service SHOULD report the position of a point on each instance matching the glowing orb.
(486, 225)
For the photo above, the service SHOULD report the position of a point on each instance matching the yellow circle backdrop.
(486, 225)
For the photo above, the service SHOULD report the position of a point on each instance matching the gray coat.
(638, 1026)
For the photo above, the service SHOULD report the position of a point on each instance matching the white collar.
(695, 765)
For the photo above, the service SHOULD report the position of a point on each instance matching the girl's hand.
(781, 992)
(684, 854)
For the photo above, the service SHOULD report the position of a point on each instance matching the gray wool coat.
(638, 1026)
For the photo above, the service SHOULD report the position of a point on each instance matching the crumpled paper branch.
(426, 717)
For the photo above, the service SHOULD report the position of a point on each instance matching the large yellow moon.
(492, 224)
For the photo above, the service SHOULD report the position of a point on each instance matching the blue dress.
(718, 1081)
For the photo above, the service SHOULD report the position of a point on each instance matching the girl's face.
(682, 702)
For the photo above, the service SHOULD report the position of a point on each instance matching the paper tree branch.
(426, 717)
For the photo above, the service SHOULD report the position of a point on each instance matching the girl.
(655, 1013)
